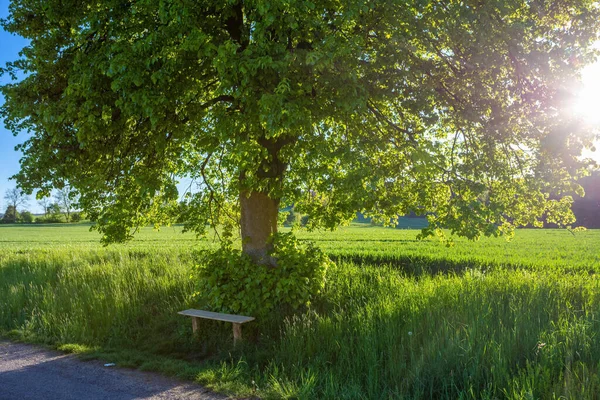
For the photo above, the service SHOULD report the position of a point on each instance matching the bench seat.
(236, 320)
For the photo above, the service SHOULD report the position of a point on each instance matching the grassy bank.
(399, 318)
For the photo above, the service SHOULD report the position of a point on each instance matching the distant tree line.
(586, 209)
(60, 207)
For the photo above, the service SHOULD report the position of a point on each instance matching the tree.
(10, 215)
(54, 213)
(454, 109)
(26, 217)
(76, 217)
(66, 198)
(15, 198)
(44, 202)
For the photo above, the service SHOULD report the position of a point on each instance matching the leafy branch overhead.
(455, 109)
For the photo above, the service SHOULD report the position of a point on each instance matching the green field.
(399, 318)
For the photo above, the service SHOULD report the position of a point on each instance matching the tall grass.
(508, 334)
(107, 298)
(397, 319)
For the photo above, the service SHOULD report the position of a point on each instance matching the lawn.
(399, 318)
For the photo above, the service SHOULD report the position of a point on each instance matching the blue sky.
(10, 46)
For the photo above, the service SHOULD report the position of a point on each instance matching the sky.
(10, 46)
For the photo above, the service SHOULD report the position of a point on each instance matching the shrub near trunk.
(229, 281)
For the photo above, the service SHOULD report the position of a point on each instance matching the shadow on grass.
(419, 266)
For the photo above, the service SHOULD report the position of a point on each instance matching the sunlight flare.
(587, 102)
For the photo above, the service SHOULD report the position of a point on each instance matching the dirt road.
(29, 372)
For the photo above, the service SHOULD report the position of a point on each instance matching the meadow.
(399, 318)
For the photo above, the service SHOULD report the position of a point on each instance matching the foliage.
(53, 215)
(304, 220)
(76, 217)
(44, 202)
(229, 281)
(293, 218)
(26, 217)
(54, 209)
(10, 215)
(495, 319)
(449, 108)
(15, 199)
(66, 199)
(50, 219)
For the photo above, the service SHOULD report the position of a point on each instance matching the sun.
(587, 102)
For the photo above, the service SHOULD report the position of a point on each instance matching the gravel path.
(29, 372)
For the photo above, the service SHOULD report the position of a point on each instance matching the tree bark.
(258, 222)
(259, 211)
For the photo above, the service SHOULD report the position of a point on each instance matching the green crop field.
(399, 318)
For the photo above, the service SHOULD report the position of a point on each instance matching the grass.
(399, 318)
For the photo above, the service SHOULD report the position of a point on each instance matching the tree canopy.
(455, 109)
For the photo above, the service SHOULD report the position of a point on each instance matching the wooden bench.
(236, 320)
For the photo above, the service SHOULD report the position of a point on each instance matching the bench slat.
(236, 319)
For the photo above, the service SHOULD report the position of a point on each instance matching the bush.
(75, 217)
(26, 217)
(230, 282)
(293, 218)
(50, 219)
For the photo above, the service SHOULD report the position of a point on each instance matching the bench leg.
(237, 333)
(195, 324)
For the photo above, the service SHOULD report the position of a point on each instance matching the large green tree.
(451, 108)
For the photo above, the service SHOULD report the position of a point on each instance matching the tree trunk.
(258, 222)
(259, 211)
